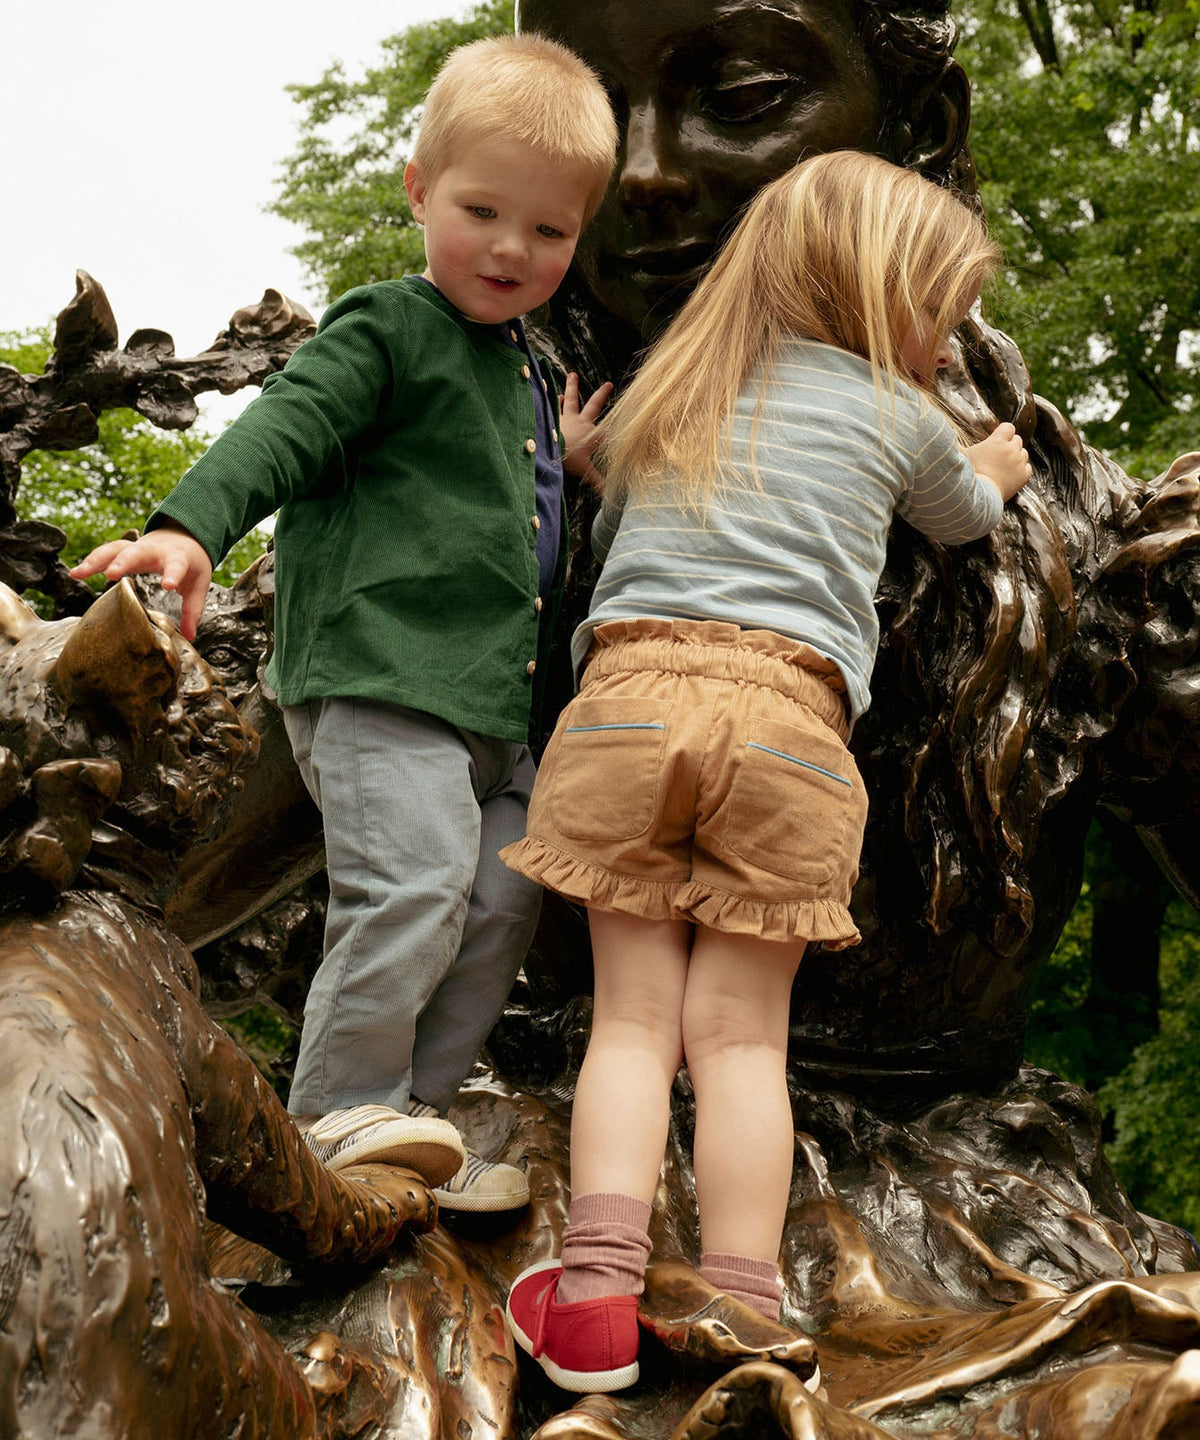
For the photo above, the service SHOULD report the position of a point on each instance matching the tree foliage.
(344, 185)
(100, 490)
(1151, 1095)
(1155, 1102)
(1085, 127)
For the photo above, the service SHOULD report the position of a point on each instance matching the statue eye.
(741, 92)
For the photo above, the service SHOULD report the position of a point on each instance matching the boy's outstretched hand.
(579, 431)
(1002, 459)
(171, 552)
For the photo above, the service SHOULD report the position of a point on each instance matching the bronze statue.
(956, 1243)
(129, 1116)
(983, 770)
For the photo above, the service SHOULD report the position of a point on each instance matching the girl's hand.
(579, 432)
(171, 552)
(1002, 459)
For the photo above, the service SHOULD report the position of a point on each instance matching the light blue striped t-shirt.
(802, 555)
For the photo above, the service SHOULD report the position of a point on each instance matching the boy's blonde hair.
(845, 248)
(524, 88)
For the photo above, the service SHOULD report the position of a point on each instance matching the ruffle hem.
(825, 921)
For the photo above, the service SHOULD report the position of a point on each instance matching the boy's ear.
(936, 129)
(416, 187)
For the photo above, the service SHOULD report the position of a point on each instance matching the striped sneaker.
(360, 1133)
(478, 1184)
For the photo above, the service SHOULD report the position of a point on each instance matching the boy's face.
(500, 226)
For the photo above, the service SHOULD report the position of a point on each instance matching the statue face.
(713, 100)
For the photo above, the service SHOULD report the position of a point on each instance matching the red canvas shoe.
(589, 1347)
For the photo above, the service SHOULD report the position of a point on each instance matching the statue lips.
(658, 269)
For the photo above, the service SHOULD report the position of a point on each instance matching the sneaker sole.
(579, 1382)
(480, 1204)
(432, 1148)
(434, 1161)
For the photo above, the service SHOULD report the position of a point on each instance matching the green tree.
(1150, 1097)
(344, 185)
(96, 492)
(1154, 1103)
(1085, 127)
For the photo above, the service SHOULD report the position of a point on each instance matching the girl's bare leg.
(735, 1027)
(622, 1101)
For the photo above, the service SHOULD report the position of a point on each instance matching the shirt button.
(525, 371)
(537, 604)
(536, 522)
(512, 335)
(531, 667)
(545, 386)
(531, 446)
(554, 435)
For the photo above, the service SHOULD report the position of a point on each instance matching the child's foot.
(352, 1136)
(691, 1317)
(589, 1347)
(478, 1185)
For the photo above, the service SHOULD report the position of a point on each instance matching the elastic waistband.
(722, 651)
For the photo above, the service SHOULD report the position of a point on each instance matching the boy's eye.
(550, 231)
(482, 212)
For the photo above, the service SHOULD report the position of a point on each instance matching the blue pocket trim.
(808, 765)
(579, 729)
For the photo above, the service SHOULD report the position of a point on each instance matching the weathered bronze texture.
(128, 1116)
(86, 375)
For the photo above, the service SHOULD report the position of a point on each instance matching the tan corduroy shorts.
(702, 774)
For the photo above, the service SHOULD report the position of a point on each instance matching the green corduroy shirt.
(397, 446)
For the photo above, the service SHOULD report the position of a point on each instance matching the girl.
(698, 795)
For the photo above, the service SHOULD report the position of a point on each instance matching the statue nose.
(653, 168)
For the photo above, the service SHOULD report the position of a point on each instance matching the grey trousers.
(426, 928)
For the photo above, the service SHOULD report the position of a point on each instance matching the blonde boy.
(412, 449)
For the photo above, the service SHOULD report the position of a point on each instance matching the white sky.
(143, 137)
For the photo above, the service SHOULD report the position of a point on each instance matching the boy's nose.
(943, 355)
(509, 243)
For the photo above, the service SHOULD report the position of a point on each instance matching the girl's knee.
(711, 1027)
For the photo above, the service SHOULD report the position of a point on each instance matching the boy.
(412, 449)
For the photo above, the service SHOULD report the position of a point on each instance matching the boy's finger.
(193, 594)
(98, 559)
(598, 400)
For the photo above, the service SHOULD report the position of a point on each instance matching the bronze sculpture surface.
(956, 1242)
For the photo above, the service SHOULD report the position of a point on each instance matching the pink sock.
(756, 1283)
(605, 1247)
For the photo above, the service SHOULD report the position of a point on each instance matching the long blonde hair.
(845, 248)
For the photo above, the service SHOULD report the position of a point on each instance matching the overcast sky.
(143, 137)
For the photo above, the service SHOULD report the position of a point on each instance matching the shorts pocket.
(607, 767)
(797, 806)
